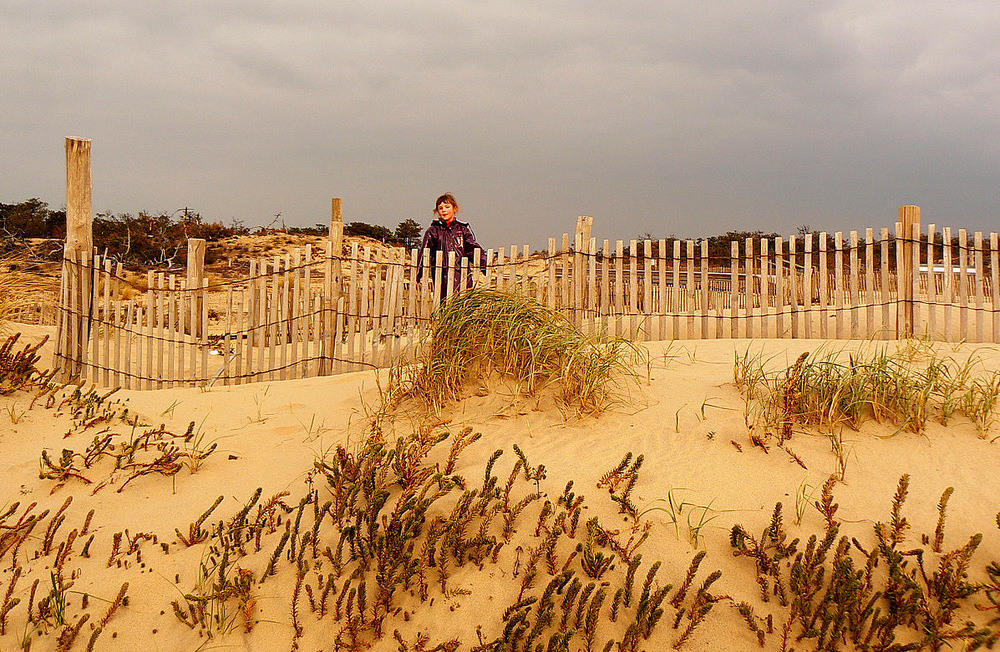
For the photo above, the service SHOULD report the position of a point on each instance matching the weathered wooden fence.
(317, 311)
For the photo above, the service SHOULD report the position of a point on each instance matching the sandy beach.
(701, 474)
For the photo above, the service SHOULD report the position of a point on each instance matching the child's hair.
(446, 197)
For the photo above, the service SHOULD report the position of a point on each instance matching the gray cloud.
(682, 117)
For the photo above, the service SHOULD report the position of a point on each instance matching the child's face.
(446, 211)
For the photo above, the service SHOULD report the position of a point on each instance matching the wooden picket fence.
(316, 311)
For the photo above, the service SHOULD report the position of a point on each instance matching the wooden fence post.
(77, 275)
(333, 284)
(195, 274)
(337, 242)
(909, 217)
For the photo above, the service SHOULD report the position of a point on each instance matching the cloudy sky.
(676, 117)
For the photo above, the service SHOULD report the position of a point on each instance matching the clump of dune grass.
(483, 331)
(9, 292)
(18, 287)
(830, 389)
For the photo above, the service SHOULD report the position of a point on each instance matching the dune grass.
(19, 288)
(832, 388)
(483, 331)
(9, 291)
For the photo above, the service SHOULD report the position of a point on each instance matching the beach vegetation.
(832, 389)
(482, 331)
(838, 593)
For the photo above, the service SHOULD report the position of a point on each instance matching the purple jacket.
(456, 237)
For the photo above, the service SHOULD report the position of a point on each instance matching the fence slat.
(854, 273)
(824, 289)
(107, 324)
(410, 325)
(352, 303)
(604, 303)
(618, 289)
(394, 329)
(647, 290)
(299, 315)
(978, 263)
(591, 260)
(995, 284)
(115, 317)
(963, 284)
(250, 323)
(900, 282)
(750, 293)
(706, 308)
(190, 293)
(931, 285)
(160, 326)
(283, 317)
(766, 322)
(63, 329)
(914, 270)
(579, 279)
(201, 344)
(175, 301)
(886, 286)
(838, 283)
(779, 288)
(317, 353)
(92, 329)
(869, 291)
(365, 310)
(661, 272)
(948, 278)
(734, 288)
(793, 286)
(689, 292)
(260, 318)
(565, 277)
(807, 287)
(377, 308)
(340, 319)
(241, 346)
(130, 324)
(227, 338)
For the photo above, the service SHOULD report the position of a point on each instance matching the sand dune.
(684, 416)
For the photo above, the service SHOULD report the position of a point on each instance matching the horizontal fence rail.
(311, 312)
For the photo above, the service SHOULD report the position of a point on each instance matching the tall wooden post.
(78, 280)
(337, 243)
(584, 227)
(909, 217)
(195, 274)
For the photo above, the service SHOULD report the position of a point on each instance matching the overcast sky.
(679, 117)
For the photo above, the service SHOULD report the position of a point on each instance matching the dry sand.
(686, 419)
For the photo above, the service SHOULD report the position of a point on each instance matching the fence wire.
(313, 313)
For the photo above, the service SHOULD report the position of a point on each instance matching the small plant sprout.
(840, 451)
(677, 418)
(695, 522)
(169, 410)
(803, 498)
(15, 414)
(668, 355)
(313, 429)
(706, 404)
(196, 449)
(259, 402)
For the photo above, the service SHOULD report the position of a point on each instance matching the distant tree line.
(156, 240)
(160, 240)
